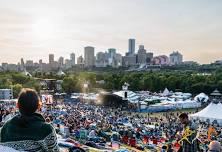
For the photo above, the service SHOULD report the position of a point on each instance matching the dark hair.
(28, 101)
(183, 116)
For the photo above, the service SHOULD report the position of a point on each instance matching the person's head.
(214, 146)
(184, 119)
(28, 101)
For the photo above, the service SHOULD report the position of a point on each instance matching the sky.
(34, 28)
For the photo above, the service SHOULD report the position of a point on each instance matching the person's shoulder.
(7, 149)
(10, 122)
(47, 127)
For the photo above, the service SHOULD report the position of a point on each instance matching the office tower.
(72, 59)
(89, 56)
(51, 58)
(131, 46)
(61, 61)
(141, 56)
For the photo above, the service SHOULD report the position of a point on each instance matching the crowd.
(106, 128)
(101, 124)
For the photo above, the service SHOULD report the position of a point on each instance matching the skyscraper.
(61, 61)
(72, 59)
(141, 56)
(112, 56)
(112, 52)
(51, 58)
(80, 60)
(22, 62)
(22, 66)
(132, 46)
(89, 56)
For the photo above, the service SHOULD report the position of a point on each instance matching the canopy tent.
(211, 112)
(131, 96)
(202, 97)
(166, 92)
(26, 73)
(216, 93)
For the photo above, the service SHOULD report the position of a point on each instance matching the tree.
(70, 84)
(16, 89)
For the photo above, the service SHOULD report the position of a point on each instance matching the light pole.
(85, 86)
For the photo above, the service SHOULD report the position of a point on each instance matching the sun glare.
(43, 29)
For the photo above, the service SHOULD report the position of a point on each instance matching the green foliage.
(186, 81)
(16, 81)
(71, 84)
(16, 89)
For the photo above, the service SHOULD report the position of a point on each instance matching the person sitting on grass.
(28, 130)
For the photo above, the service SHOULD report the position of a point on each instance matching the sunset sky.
(34, 28)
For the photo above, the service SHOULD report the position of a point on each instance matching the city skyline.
(34, 29)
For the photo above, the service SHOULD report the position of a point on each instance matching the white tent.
(131, 96)
(202, 97)
(60, 73)
(166, 92)
(211, 112)
(26, 73)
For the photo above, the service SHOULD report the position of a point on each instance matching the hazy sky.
(34, 28)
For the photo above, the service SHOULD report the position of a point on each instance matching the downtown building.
(176, 58)
(143, 57)
(89, 57)
(130, 58)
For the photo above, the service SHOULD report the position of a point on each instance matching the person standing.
(188, 139)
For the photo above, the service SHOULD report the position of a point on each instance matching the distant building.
(89, 56)
(141, 56)
(112, 52)
(68, 64)
(6, 94)
(176, 58)
(61, 61)
(45, 67)
(36, 65)
(149, 57)
(112, 57)
(4, 66)
(51, 58)
(22, 66)
(101, 60)
(72, 59)
(54, 65)
(118, 60)
(40, 61)
(161, 60)
(190, 63)
(12, 67)
(129, 60)
(132, 46)
(29, 63)
(80, 60)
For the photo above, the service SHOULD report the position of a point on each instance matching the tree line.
(185, 81)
